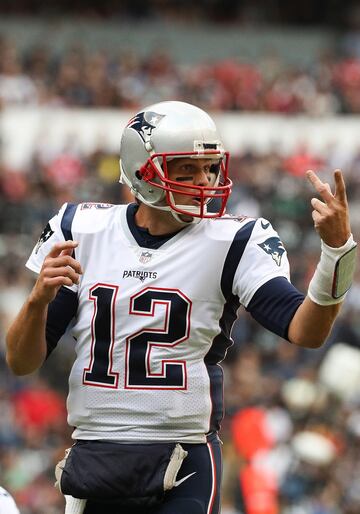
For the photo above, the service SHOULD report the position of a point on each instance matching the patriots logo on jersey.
(144, 123)
(274, 247)
(140, 274)
(46, 234)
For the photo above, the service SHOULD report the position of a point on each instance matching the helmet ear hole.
(138, 174)
(146, 172)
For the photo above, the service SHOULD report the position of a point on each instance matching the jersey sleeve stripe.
(60, 312)
(233, 257)
(67, 220)
(222, 340)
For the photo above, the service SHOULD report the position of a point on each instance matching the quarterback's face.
(187, 171)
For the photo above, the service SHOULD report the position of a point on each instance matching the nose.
(201, 178)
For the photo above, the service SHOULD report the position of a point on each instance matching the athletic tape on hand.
(334, 273)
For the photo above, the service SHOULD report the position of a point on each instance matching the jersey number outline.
(142, 369)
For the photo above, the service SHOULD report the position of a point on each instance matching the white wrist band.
(334, 273)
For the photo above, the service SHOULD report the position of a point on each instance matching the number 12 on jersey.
(139, 362)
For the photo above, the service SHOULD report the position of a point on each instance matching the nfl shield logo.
(145, 257)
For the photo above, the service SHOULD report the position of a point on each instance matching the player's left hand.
(331, 216)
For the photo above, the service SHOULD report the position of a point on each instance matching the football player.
(150, 292)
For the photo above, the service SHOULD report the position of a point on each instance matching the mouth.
(190, 201)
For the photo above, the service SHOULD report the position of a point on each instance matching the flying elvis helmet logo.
(144, 123)
(274, 247)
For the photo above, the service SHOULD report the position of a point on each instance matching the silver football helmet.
(165, 131)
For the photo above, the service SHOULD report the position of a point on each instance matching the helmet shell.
(164, 128)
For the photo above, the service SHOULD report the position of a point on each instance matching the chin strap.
(334, 273)
(192, 220)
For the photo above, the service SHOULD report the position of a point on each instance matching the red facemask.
(221, 189)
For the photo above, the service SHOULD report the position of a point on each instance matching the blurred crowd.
(291, 433)
(79, 77)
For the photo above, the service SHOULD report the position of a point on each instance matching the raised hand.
(331, 215)
(59, 269)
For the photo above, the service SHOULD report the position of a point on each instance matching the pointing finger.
(67, 247)
(322, 188)
(340, 189)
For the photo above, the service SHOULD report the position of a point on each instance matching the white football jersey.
(7, 503)
(153, 324)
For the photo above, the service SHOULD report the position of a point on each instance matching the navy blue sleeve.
(274, 305)
(60, 312)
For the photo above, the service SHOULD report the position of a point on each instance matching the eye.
(187, 167)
